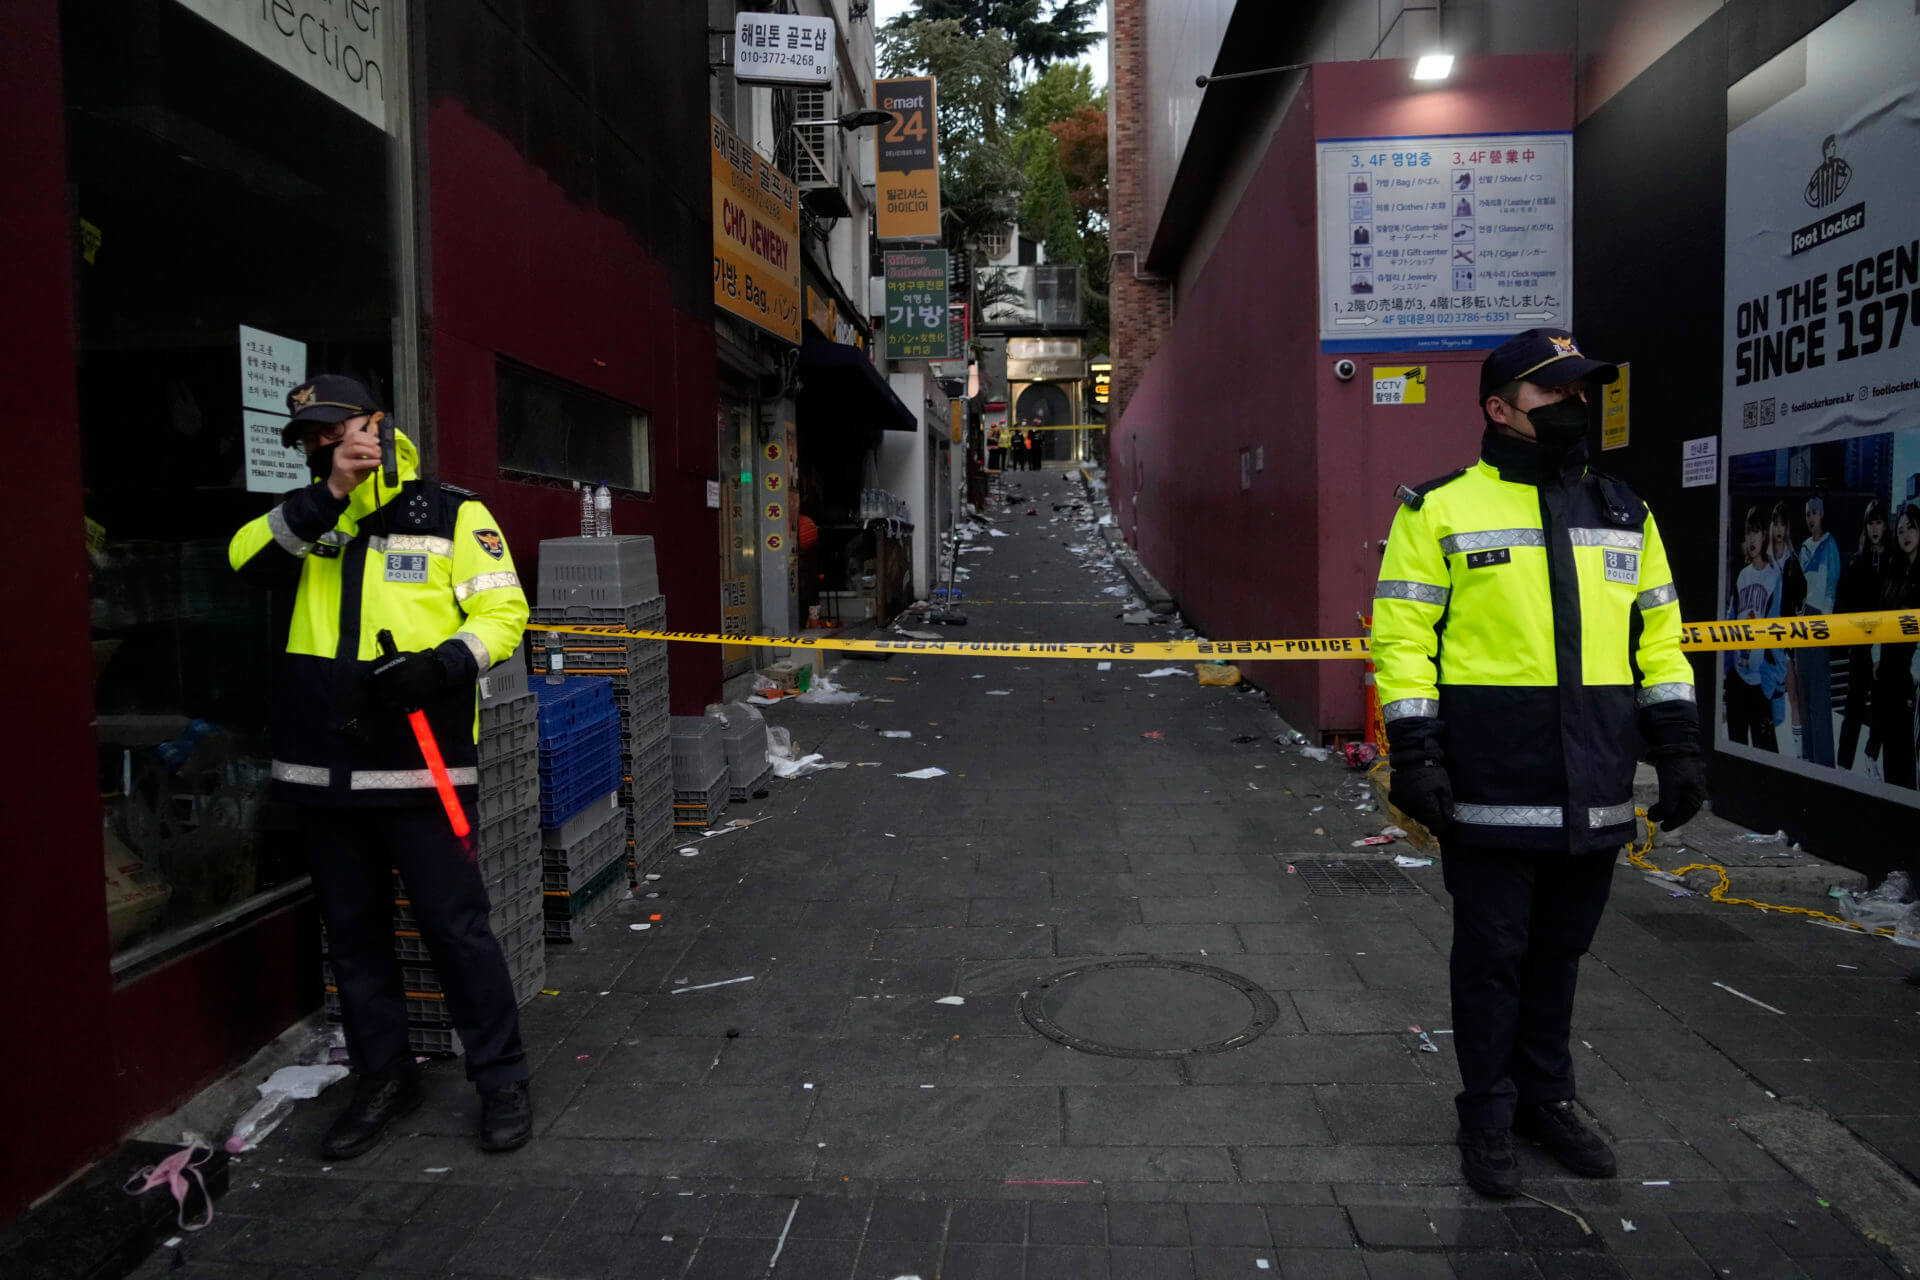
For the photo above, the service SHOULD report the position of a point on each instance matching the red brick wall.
(1140, 308)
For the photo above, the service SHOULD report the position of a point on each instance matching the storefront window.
(232, 228)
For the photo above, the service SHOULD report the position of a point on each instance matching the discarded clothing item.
(178, 1173)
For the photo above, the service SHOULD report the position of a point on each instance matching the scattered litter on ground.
(896, 733)
(1217, 674)
(1102, 666)
(1749, 999)
(928, 772)
(1360, 755)
(1402, 860)
(1397, 832)
(174, 1173)
(1366, 840)
(951, 1000)
(1154, 735)
(1884, 907)
(999, 693)
(1157, 672)
(438, 1168)
(1426, 1043)
(919, 635)
(278, 1092)
(642, 927)
(1626, 1224)
(826, 693)
(1662, 1182)
(1319, 831)
(704, 986)
(1315, 753)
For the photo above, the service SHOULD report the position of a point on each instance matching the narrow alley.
(801, 1050)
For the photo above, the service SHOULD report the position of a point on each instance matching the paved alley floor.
(815, 1063)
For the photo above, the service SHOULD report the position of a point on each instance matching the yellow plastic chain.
(1637, 855)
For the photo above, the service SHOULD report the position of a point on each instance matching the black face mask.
(320, 461)
(1560, 425)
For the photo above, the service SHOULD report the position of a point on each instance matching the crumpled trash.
(1315, 753)
(1157, 672)
(278, 1092)
(826, 692)
(1402, 860)
(929, 772)
(1755, 837)
(896, 733)
(813, 762)
(1217, 674)
(1883, 908)
(1361, 755)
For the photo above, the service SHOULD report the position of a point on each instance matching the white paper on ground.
(1402, 860)
(896, 733)
(1162, 671)
(923, 773)
(951, 1000)
(1103, 666)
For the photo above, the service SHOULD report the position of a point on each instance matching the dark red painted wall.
(556, 244)
(1297, 555)
(58, 1083)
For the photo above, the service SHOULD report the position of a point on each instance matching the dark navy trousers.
(354, 853)
(1521, 922)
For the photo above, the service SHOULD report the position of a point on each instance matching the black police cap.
(1545, 357)
(324, 400)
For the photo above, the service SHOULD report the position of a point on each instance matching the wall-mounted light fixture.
(1433, 66)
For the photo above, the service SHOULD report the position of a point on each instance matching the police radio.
(389, 456)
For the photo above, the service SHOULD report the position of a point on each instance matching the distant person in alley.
(1526, 634)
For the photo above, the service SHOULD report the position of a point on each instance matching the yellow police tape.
(1722, 892)
(1764, 633)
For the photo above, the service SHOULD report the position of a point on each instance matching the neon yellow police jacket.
(425, 561)
(1526, 633)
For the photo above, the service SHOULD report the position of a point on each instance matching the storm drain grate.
(1358, 878)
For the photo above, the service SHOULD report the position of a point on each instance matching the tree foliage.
(1042, 32)
(1057, 94)
(1046, 205)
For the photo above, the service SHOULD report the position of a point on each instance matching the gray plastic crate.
(509, 796)
(698, 808)
(573, 869)
(498, 860)
(507, 830)
(580, 825)
(523, 708)
(506, 742)
(698, 751)
(504, 681)
(570, 914)
(521, 878)
(648, 615)
(741, 793)
(598, 573)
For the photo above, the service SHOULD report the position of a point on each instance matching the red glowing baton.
(430, 752)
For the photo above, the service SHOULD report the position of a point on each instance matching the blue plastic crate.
(575, 700)
(568, 784)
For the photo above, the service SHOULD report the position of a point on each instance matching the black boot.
(376, 1104)
(506, 1117)
(1487, 1162)
(1555, 1126)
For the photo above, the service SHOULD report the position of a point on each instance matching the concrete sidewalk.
(871, 1100)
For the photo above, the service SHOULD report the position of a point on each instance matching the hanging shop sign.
(756, 235)
(907, 161)
(270, 367)
(1820, 405)
(917, 317)
(780, 48)
(1444, 244)
(337, 46)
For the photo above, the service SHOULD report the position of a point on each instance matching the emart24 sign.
(907, 161)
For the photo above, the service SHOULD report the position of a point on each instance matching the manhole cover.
(1148, 1009)
(1341, 878)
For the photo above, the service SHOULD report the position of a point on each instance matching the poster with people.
(1820, 426)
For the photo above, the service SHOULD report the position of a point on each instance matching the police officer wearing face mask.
(366, 554)
(1526, 635)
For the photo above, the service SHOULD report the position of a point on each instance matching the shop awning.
(838, 381)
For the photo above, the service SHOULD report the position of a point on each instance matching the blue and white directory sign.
(1444, 243)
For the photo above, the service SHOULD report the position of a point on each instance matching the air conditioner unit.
(816, 166)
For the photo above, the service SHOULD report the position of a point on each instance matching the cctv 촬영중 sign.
(907, 161)
(756, 234)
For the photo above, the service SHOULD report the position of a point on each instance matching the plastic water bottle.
(603, 511)
(586, 509)
(556, 659)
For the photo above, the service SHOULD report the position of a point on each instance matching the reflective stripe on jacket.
(429, 564)
(1528, 634)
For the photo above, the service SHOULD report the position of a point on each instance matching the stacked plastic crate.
(506, 842)
(583, 825)
(614, 582)
(744, 734)
(701, 783)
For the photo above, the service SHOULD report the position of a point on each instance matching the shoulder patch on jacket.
(1415, 495)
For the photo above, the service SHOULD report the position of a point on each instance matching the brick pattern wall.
(1139, 307)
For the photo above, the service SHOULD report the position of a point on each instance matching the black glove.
(1424, 793)
(407, 681)
(1683, 789)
